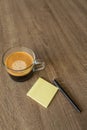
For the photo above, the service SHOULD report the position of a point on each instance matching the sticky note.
(42, 92)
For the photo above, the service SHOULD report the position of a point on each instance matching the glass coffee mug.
(21, 63)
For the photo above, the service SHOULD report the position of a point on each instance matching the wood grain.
(57, 32)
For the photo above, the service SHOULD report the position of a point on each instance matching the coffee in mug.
(20, 63)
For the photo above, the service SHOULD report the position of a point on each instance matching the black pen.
(66, 95)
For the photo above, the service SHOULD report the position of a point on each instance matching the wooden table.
(57, 32)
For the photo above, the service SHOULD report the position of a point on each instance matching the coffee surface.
(19, 61)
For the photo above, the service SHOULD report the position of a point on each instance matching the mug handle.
(38, 65)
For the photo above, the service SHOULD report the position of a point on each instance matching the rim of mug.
(16, 51)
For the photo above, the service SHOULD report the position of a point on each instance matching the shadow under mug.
(21, 75)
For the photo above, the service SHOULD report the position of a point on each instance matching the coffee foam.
(19, 65)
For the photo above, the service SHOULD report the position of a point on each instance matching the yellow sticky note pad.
(42, 92)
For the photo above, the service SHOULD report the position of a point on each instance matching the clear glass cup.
(21, 71)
